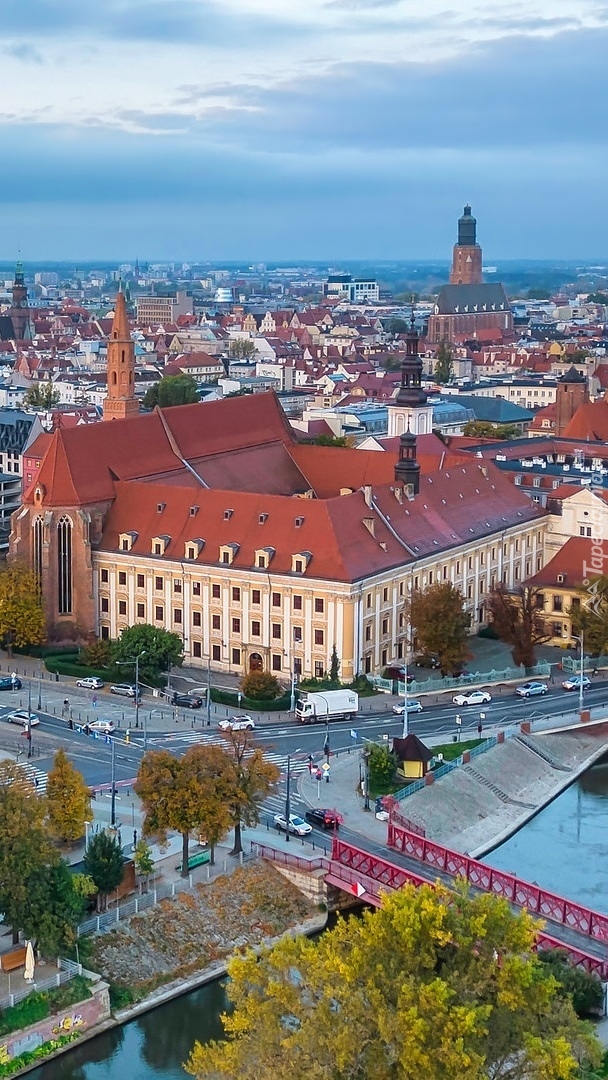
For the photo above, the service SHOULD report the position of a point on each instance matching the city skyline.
(336, 129)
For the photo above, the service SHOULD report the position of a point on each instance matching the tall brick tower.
(466, 258)
(121, 400)
(572, 391)
(19, 310)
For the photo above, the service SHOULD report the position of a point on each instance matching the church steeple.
(19, 308)
(120, 401)
(466, 257)
(407, 469)
(410, 392)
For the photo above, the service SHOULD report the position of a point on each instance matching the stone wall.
(79, 1017)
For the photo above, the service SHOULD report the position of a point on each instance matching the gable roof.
(590, 422)
(471, 299)
(577, 561)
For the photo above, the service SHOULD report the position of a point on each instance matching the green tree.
(391, 362)
(144, 863)
(440, 624)
(583, 988)
(382, 764)
(397, 326)
(242, 348)
(53, 908)
(598, 298)
(171, 390)
(538, 294)
(483, 429)
(443, 370)
(590, 616)
(334, 666)
(41, 396)
(432, 985)
(26, 848)
(159, 650)
(332, 440)
(104, 862)
(68, 799)
(252, 779)
(21, 613)
(260, 686)
(517, 618)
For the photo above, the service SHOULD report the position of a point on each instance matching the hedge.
(224, 697)
(72, 667)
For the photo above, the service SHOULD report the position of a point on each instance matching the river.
(563, 848)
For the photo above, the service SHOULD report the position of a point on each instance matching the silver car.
(531, 689)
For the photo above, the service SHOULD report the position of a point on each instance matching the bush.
(16, 1064)
(72, 667)
(120, 996)
(37, 1006)
(582, 987)
(224, 697)
(261, 686)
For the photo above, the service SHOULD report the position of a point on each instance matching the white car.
(412, 706)
(473, 697)
(297, 825)
(90, 683)
(23, 717)
(103, 727)
(575, 682)
(237, 723)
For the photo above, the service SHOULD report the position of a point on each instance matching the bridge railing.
(285, 858)
(499, 882)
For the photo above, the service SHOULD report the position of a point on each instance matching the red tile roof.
(590, 422)
(579, 560)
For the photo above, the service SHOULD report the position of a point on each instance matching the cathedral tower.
(121, 400)
(19, 312)
(466, 258)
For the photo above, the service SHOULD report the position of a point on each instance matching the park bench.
(197, 860)
(10, 961)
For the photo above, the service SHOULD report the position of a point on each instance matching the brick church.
(212, 521)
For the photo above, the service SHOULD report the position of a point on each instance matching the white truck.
(317, 708)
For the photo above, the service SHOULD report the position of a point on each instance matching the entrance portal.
(255, 662)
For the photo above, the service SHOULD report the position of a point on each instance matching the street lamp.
(581, 672)
(288, 794)
(29, 719)
(135, 660)
(292, 703)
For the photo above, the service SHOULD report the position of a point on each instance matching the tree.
(144, 863)
(261, 686)
(104, 862)
(53, 908)
(21, 613)
(331, 440)
(440, 623)
(397, 326)
(517, 618)
(242, 348)
(159, 650)
(539, 294)
(382, 764)
(583, 988)
(26, 848)
(598, 298)
(483, 429)
(41, 396)
(252, 779)
(68, 799)
(188, 794)
(334, 666)
(171, 390)
(391, 362)
(433, 984)
(590, 616)
(443, 370)
(98, 654)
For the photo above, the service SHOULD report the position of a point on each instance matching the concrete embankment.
(479, 805)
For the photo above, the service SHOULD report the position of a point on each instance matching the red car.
(324, 818)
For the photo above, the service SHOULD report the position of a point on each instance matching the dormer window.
(160, 544)
(126, 540)
(160, 507)
(263, 557)
(193, 548)
(228, 553)
(299, 522)
(300, 561)
(262, 518)
(228, 514)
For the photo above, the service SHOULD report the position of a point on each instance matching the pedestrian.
(66, 706)
(134, 839)
(310, 763)
(94, 701)
(479, 728)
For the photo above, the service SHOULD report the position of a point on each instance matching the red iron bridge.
(577, 930)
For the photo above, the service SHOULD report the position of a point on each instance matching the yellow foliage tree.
(68, 800)
(434, 984)
(21, 613)
(253, 778)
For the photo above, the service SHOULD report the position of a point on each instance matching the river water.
(563, 848)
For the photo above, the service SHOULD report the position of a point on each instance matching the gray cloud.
(21, 50)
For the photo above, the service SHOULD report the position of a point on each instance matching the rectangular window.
(158, 584)
(215, 622)
(256, 596)
(196, 588)
(216, 653)
(197, 649)
(318, 669)
(226, 557)
(122, 577)
(236, 594)
(105, 633)
(557, 629)
(368, 600)
(141, 581)
(558, 603)
(430, 577)
(276, 630)
(385, 626)
(297, 633)
(368, 632)
(277, 660)
(319, 605)
(255, 629)
(276, 599)
(196, 618)
(215, 592)
(297, 665)
(236, 656)
(104, 576)
(177, 615)
(158, 549)
(236, 626)
(105, 603)
(158, 613)
(122, 607)
(385, 595)
(141, 611)
(177, 586)
(297, 603)
(470, 564)
(319, 637)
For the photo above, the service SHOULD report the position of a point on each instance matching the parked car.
(472, 697)
(297, 825)
(186, 701)
(427, 660)
(23, 717)
(412, 706)
(103, 727)
(324, 818)
(575, 682)
(90, 683)
(531, 689)
(125, 689)
(237, 723)
(10, 684)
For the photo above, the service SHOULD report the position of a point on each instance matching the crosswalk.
(36, 776)
(298, 764)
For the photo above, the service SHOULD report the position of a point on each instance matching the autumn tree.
(26, 848)
(253, 778)
(590, 616)
(443, 369)
(433, 984)
(440, 624)
(260, 686)
(68, 799)
(517, 617)
(144, 863)
(21, 613)
(104, 862)
(41, 396)
(159, 650)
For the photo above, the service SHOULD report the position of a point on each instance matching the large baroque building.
(212, 521)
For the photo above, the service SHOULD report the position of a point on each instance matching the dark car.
(427, 660)
(323, 819)
(398, 673)
(10, 684)
(186, 701)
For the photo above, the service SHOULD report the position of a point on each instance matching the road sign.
(353, 734)
(358, 889)
(325, 767)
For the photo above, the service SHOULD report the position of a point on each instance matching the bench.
(10, 961)
(197, 860)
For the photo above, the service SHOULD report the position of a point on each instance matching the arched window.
(37, 528)
(113, 378)
(122, 356)
(64, 566)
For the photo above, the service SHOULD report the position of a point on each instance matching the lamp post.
(292, 703)
(366, 805)
(135, 660)
(113, 801)
(288, 795)
(39, 692)
(208, 691)
(29, 719)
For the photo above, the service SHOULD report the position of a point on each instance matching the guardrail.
(448, 767)
(67, 969)
(476, 678)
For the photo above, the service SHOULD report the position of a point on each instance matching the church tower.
(407, 469)
(572, 392)
(121, 400)
(410, 410)
(19, 312)
(466, 258)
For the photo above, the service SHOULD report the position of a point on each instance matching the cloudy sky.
(288, 129)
